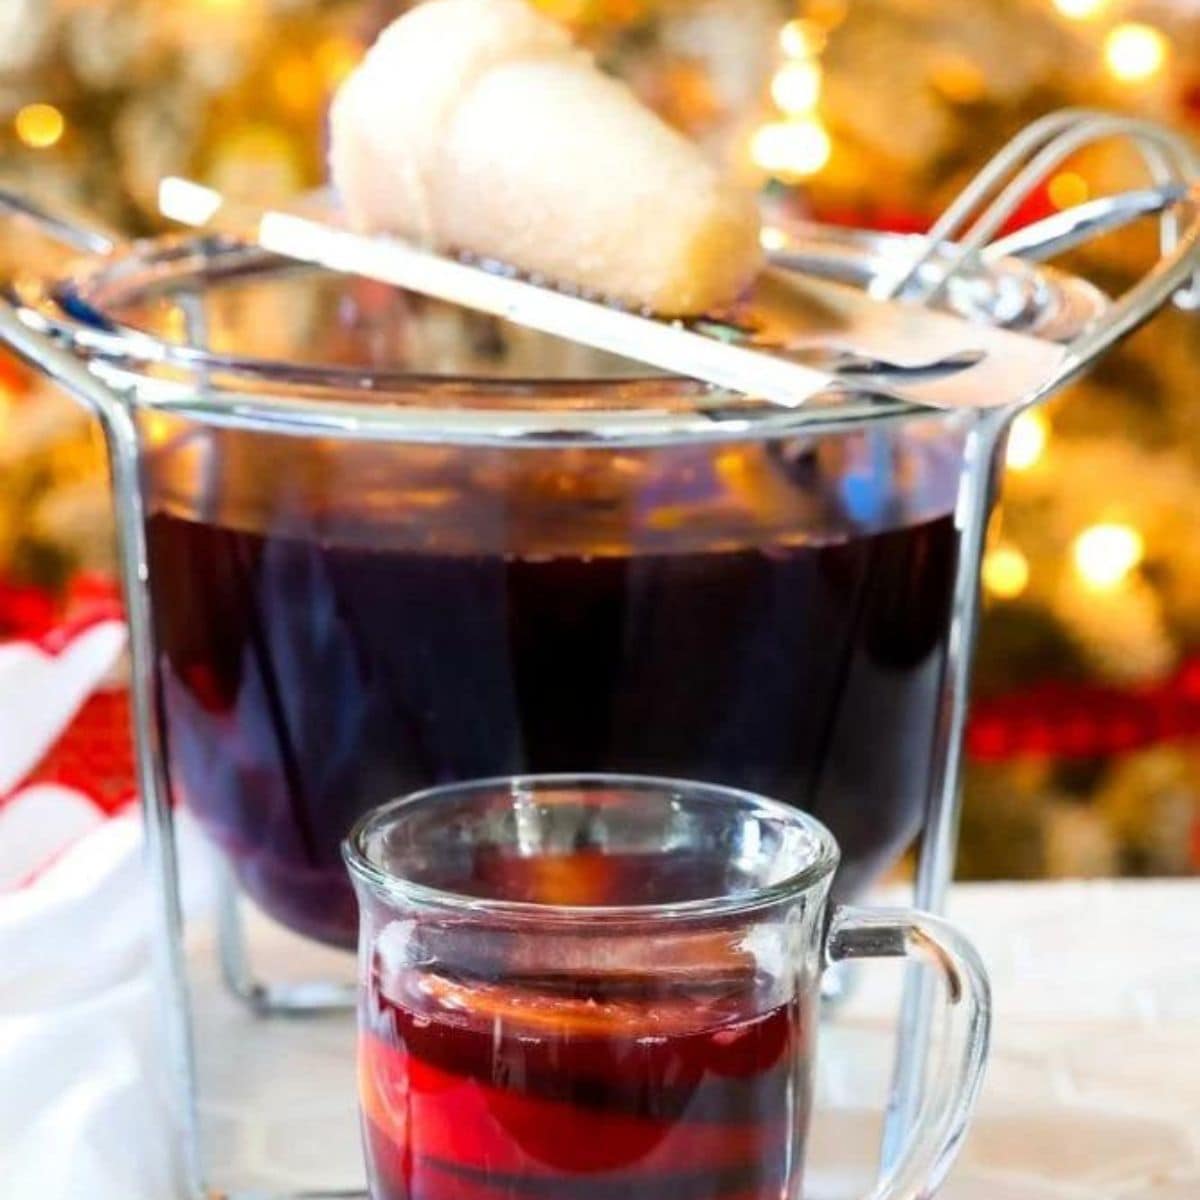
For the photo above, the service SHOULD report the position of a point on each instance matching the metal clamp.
(976, 216)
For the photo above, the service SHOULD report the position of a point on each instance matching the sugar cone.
(475, 125)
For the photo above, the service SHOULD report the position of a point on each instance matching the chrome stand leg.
(114, 410)
(301, 999)
(168, 940)
(838, 985)
(935, 869)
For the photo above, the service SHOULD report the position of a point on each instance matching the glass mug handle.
(856, 933)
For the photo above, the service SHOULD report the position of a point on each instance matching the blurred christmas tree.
(871, 113)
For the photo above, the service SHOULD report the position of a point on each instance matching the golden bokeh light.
(959, 78)
(1005, 572)
(772, 239)
(40, 126)
(828, 14)
(1134, 52)
(297, 87)
(1068, 189)
(797, 87)
(791, 149)
(1106, 553)
(1027, 440)
(802, 39)
(158, 428)
(1080, 10)
(336, 57)
(258, 159)
(569, 11)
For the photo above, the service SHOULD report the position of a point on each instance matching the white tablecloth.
(1093, 1092)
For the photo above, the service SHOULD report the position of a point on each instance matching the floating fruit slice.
(430, 1116)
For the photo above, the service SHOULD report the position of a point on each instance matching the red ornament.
(25, 611)
(1189, 100)
(95, 755)
(1060, 720)
(14, 378)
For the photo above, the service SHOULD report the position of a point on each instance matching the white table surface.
(1093, 1091)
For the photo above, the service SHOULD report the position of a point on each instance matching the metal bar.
(937, 856)
(116, 417)
(1074, 226)
(304, 998)
(86, 238)
(667, 345)
(1171, 163)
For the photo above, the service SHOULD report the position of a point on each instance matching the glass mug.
(595, 987)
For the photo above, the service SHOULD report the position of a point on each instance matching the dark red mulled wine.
(493, 1079)
(336, 640)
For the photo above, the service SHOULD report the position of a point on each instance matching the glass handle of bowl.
(958, 1066)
